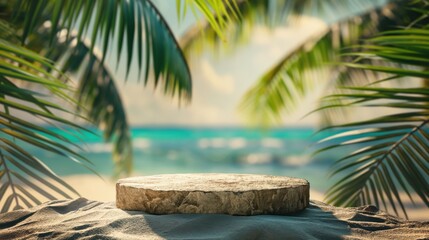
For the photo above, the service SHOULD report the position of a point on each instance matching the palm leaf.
(390, 153)
(211, 9)
(105, 22)
(101, 97)
(303, 69)
(280, 87)
(306, 66)
(97, 91)
(270, 13)
(19, 170)
(313, 64)
(133, 19)
(8, 32)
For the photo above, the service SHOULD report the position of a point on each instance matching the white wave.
(296, 160)
(271, 143)
(212, 143)
(236, 143)
(141, 143)
(257, 158)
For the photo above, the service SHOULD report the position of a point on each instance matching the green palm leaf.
(137, 27)
(96, 91)
(101, 98)
(270, 13)
(99, 93)
(212, 9)
(135, 24)
(391, 151)
(280, 89)
(19, 170)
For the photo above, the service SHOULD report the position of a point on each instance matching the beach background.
(164, 150)
(209, 135)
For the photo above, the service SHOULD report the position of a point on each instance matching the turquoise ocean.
(162, 150)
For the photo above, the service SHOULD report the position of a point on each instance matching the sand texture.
(86, 219)
(233, 194)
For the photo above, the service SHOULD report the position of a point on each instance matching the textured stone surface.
(234, 194)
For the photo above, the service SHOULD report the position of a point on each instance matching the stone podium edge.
(277, 201)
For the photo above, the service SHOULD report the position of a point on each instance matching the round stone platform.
(234, 194)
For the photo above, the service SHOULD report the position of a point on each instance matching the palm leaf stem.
(380, 160)
(399, 142)
(7, 170)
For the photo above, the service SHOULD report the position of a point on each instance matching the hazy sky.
(219, 83)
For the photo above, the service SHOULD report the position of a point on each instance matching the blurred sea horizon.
(169, 150)
(173, 149)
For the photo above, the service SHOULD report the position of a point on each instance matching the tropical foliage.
(17, 164)
(281, 88)
(391, 150)
(42, 40)
(391, 155)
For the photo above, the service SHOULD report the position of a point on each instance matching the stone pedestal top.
(235, 194)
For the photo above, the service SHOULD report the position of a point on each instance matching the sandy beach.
(94, 188)
(95, 216)
(103, 190)
(86, 219)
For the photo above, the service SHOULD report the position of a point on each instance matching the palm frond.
(136, 26)
(20, 170)
(307, 66)
(96, 91)
(142, 26)
(279, 88)
(136, 23)
(8, 33)
(313, 63)
(390, 155)
(211, 9)
(271, 13)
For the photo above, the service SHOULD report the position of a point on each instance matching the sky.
(220, 82)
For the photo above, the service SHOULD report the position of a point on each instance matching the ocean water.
(284, 152)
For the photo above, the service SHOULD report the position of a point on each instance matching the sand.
(100, 219)
(87, 219)
(92, 187)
